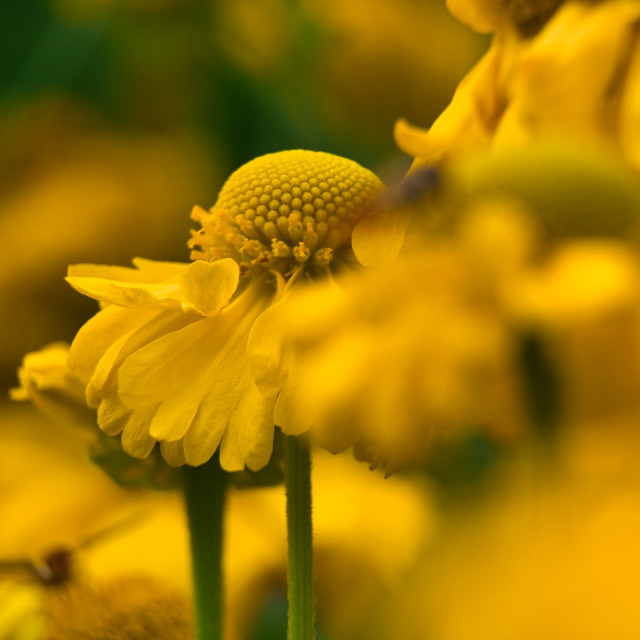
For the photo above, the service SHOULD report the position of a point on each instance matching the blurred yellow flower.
(549, 553)
(166, 360)
(391, 359)
(583, 302)
(577, 78)
(45, 380)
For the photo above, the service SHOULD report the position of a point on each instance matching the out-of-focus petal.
(468, 121)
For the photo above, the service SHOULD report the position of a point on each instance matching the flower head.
(166, 358)
(285, 210)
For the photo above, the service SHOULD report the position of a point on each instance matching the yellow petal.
(156, 271)
(265, 351)
(128, 294)
(411, 139)
(568, 78)
(377, 239)
(136, 440)
(204, 434)
(289, 413)
(112, 416)
(104, 369)
(228, 380)
(468, 121)
(175, 414)
(173, 453)
(208, 286)
(96, 335)
(145, 271)
(173, 361)
(248, 440)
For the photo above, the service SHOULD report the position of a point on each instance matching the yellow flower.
(576, 78)
(550, 553)
(45, 380)
(166, 360)
(582, 301)
(390, 360)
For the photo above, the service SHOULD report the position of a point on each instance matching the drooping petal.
(231, 402)
(265, 351)
(566, 81)
(96, 335)
(136, 440)
(205, 432)
(290, 414)
(172, 453)
(175, 414)
(468, 121)
(173, 361)
(104, 342)
(248, 439)
(103, 371)
(135, 434)
(112, 416)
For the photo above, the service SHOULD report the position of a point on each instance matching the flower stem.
(299, 536)
(204, 494)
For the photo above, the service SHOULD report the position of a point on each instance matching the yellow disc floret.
(286, 210)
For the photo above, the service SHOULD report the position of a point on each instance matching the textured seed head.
(284, 210)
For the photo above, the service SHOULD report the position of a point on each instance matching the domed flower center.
(284, 210)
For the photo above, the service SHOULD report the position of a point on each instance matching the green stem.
(204, 494)
(299, 535)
